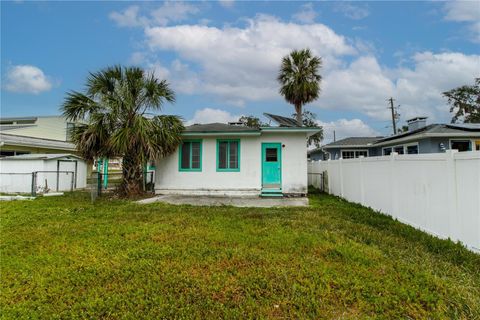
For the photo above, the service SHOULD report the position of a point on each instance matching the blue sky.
(221, 58)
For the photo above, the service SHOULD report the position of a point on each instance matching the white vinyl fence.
(438, 193)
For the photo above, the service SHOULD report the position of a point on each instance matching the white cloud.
(227, 3)
(364, 85)
(168, 12)
(239, 64)
(462, 10)
(465, 11)
(27, 79)
(346, 128)
(210, 115)
(351, 11)
(306, 14)
(129, 17)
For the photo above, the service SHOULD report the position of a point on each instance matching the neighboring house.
(420, 138)
(45, 127)
(352, 147)
(23, 135)
(227, 159)
(12, 145)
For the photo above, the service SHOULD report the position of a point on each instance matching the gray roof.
(282, 121)
(353, 142)
(41, 156)
(17, 118)
(442, 129)
(16, 140)
(11, 127)
(219, 127)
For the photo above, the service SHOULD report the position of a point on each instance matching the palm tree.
(115, 109)
(299, 79)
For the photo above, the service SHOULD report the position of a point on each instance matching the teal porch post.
(105, 173)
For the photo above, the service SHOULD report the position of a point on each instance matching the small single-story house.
(420, 138)
(232, 159)
(44, 172)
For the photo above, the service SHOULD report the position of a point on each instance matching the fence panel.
(438, 193)
(16, 182)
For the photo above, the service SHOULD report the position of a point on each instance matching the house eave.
(427, 135)
(221, 133)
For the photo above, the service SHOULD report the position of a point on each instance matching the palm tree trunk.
(298, 110)
(132, 175)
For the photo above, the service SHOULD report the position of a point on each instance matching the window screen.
(190, 155)
(271, 154)
(228, 155)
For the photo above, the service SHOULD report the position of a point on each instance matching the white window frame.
(397, 146)
(352, 150)
(405, 151)
(472, 143)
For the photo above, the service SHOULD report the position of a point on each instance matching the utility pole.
(334, 139)
(394, 116)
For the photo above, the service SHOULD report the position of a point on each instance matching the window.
(387, 151)
(361, 153)
(412, 149)
(398, 149)
(70, 128)
(5, 153)
(350, 154)
(477, 145)
(190, 157)
(271, 154)
(228, 155)
(460, 145)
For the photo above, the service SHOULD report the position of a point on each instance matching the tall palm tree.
(299, 79)
(115, 109)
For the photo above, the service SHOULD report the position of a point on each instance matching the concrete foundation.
(228, 201)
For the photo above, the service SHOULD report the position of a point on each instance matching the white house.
(229, 159)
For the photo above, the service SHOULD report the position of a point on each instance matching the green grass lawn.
(63, 257)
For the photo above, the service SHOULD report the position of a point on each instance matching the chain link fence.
(99, 182)
(37, 182)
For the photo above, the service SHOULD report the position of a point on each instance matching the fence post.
(34, 184)
(452, 193)
(72, 181)
(99, 182)
(340, 163)
(362, 186)
(328, 177)
(393, 185)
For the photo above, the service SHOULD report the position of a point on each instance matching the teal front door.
(271, 166)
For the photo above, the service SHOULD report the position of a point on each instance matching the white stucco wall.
(169, 180)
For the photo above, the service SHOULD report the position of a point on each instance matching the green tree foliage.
(464, 103)
(309, 120)
(300, 79)
(115, 108)
(252, 121)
